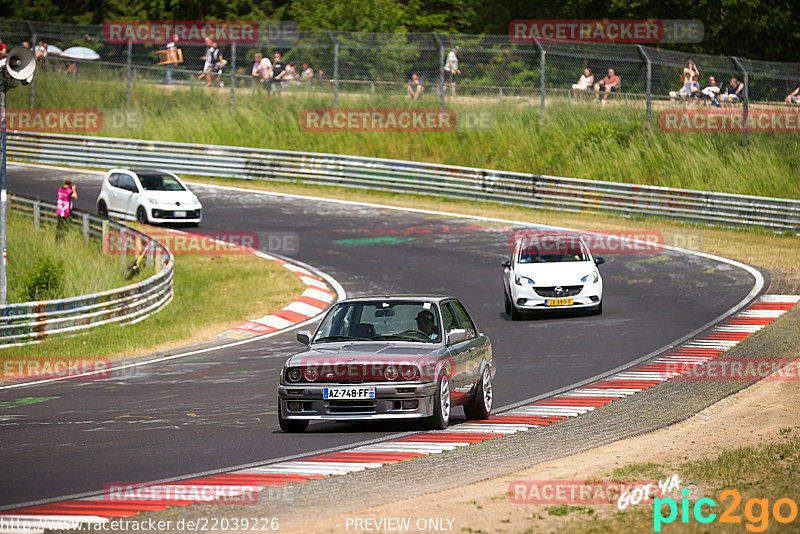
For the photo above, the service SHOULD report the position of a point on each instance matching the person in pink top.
(66, 194)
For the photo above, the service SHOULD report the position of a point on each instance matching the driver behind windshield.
(426, 324)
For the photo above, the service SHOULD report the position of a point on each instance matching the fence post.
(335, 70)
(37, 214)
(86, 227)
(649, 88)
(233, 78)
(542, 63)
(441, 69)
(128, 90)
(746, 100)
(33, 82)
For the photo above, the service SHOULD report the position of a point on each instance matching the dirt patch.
(752, 416)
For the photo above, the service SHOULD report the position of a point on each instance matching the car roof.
(435, 298)
(142, 171)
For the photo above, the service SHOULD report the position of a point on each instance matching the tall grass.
(583, 139)
(86, 268)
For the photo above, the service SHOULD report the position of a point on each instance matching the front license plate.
(558, 302)
(354, 393)
(180, 214)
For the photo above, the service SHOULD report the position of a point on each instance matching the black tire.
(141, 215)
(480, 405)
(516, 315)
(507, 302)
(598, 310)
(102, 210)
(442, 406)
(291, 426)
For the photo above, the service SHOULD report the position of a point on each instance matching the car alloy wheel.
(441, 406)
(102, 210)
(480, 405)
(141, 215)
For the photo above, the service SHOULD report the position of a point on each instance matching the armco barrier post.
(37, 214)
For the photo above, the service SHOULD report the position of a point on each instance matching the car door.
(113, 194)
(458, 352)
(128, 195)
(477, 345)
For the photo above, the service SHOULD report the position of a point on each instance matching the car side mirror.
(304, 337)
(456, 335)
(506, 264)
(599, 261)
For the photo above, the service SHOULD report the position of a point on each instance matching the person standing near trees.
(451, 66)
(66, 194)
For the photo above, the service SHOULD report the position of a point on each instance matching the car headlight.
(593, 277)
(409, 372)
(152, 200)
(520, 280)
(390, 373)
(195, 201)
(293, 374)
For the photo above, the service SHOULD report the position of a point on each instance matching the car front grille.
(351, 406)
(550, 292)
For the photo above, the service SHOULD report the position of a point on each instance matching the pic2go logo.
(756, 522)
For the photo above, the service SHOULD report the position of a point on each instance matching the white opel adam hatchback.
(549, 272)
(149, 197)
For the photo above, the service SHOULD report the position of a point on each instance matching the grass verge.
(582, 140)
(760, 475)
(212, 293)
(70, 267)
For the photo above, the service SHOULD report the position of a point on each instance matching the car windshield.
(553, 249)
(159, 182)
(385, 320)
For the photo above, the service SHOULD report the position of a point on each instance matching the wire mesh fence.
(374, 68)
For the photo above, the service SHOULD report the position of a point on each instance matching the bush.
(46, 280)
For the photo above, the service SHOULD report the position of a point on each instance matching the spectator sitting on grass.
(414, 88)
(307, 72)
(609, 83)
(41, 52)
(732, 93)
(584, 83)
(711, 91)
(794, 96)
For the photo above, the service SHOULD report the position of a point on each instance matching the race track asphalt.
(216, 410)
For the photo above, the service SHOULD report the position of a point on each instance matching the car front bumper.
(526, 298)
(167, 216)
(392, 401)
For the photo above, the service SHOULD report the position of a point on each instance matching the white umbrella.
(80, 52)
(53, 49)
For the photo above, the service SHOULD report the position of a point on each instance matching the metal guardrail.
(530, 190)
(30, 321)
